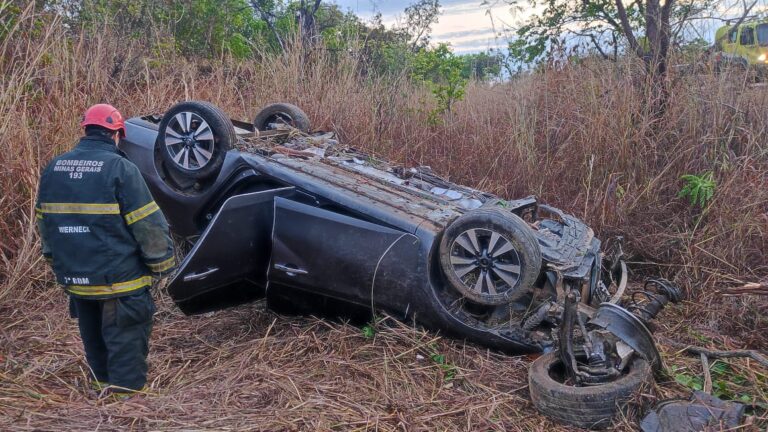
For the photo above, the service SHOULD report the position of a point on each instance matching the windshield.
(762, 34)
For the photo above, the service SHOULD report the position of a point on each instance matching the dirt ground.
(247, 368)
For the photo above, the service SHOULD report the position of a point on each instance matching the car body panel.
(340, 256)
(243, 228)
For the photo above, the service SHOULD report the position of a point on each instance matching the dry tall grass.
(578, 137)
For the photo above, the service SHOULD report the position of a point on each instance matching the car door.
(344, 257)
(228, 264)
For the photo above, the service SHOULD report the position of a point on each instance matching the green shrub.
(698, 189)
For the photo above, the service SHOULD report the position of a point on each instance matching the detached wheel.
(193, 139)
(490, 256)
(274, 115)
(589, 407)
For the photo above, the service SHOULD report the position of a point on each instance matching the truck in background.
(742, 47)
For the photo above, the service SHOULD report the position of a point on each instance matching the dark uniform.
(105, 237)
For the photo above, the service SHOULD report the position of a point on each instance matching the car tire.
(193, 139)
(285, 113)
(590, 407)
(508, 254)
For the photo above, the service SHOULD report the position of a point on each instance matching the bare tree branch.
(679, 24)
(268, 18)
(595, 43)
(316, 7)
(697, 351)
(627, 29)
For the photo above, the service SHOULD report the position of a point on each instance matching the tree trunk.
(656, 54)
(306, 21)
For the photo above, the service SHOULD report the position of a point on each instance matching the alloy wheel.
(189, 141)
(486, 262)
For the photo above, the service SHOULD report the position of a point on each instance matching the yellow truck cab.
(744, 46)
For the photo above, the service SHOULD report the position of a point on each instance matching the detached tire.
(490, 256)
(193, 138)
(590, 407)
(282, 113)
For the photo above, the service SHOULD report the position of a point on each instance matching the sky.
(465, 24)
(471, 27)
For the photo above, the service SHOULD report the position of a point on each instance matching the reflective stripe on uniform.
(38, 213)
(118, 288)
(163, 265)
(80, 208)
(141, 213)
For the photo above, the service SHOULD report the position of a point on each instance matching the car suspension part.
(613, 334)
(648, 302)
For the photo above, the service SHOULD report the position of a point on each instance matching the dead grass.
(250, 369)
(247, 368)
(578, 137)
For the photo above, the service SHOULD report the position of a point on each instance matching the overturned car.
(273, 211)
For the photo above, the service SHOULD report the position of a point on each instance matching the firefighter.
(105, 238)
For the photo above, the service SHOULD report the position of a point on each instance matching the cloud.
(464, 24)
(463, 8)
(463, 34)
(476, 45)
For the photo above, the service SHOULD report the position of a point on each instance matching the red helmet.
(106, 116)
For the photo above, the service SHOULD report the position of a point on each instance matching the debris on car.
(273, 210)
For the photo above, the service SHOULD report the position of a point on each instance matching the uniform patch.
(75, 166)
(74, 229)
(76, 280)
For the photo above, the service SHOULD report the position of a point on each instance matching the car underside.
(273, 210)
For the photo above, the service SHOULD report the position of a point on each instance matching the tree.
(441, 70)
(648, 29)
(267, 11)
(605, 24)
(420, 16)
(658, 32)
(209, 27)
(202, 28)
(306, 20)
(481, 66)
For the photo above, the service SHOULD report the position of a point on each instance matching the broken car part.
(587, 407)
(600, 354)
(648, 302)
(701, 412)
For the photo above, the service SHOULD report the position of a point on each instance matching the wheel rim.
(189, 140)
(486, 263)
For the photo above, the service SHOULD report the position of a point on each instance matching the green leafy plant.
(726, 382)
(698, 189)
(449, 370)
(441, 70)
(369, 331)
(692, 382)
(620, 192)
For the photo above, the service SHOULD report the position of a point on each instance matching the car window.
(732, 35)
(762, 34)
(747, 36)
